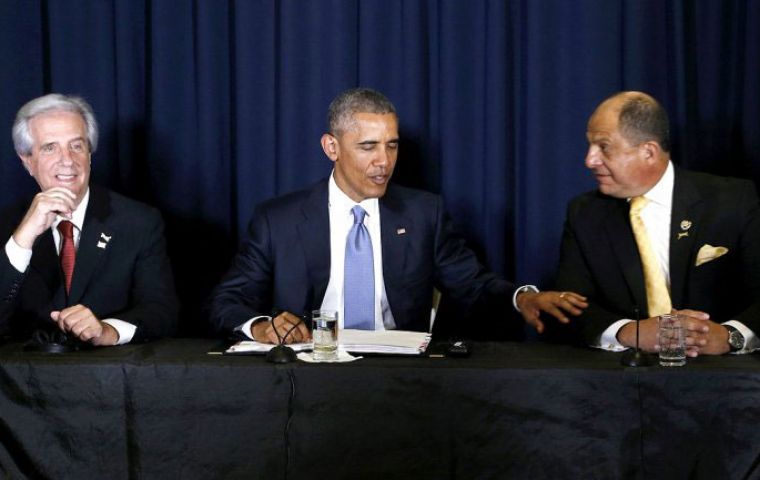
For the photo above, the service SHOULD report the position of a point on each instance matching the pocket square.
(708, 253)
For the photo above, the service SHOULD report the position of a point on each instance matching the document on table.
(252, 347)
(394, 342)
(391, 342)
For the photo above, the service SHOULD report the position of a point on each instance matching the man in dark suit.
(79, 259)
(300, 251)
(703, 230)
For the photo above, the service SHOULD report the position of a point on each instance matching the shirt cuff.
(608, 340)
(18, 256)
(125, 330)
(751, 342)
(524, 288)
(245, 328)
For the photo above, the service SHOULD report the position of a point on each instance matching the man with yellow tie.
(656, 238)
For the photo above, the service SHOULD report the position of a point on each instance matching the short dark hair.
(340, 115)
(643, 119)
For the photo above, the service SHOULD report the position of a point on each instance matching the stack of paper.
(245, 347)
(392, 342)
(398, 342)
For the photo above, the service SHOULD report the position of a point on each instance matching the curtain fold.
(208, 107)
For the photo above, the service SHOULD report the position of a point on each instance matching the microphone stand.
(635, 357)
(281, 353)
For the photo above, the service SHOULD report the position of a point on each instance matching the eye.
(367, 147)
(393, 146)
(77, 147)
(48, 148)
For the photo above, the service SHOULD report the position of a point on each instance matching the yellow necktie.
(658, 298)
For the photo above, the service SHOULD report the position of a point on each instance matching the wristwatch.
(735, 338)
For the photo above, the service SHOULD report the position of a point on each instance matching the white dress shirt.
(341, 221)
(20, 258)
(656, 217)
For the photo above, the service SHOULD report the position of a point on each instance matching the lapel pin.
(400, 231)
(682, 234)
(685, 224)
(103, 241)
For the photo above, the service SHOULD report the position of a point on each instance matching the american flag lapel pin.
(103, 241)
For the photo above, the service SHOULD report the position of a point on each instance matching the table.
(169, 409)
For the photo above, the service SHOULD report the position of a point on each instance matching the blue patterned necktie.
(359, 276)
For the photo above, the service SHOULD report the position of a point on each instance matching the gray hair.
(340, 116)
(54, 102)
(643, 119)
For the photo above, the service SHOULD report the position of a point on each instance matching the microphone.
(635, 357)
(281, 353)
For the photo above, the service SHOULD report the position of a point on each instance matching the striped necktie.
(658, 297)
(68, 252)
(359, 276)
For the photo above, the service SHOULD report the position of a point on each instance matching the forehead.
(364, 122)
(56, 124)
(604, 121)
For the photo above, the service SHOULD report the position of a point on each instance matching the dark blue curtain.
(207, 107)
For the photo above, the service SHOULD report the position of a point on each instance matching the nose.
(65, 156)
(592, 157)
(383, 157)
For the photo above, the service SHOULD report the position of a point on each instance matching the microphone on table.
(635, 357)
(281, 353)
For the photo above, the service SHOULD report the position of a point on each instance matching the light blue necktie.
(359, 276)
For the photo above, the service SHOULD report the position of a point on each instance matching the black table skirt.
(171, 410)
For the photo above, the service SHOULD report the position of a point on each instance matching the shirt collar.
(341, 202)
(77, 217)
(662, 192)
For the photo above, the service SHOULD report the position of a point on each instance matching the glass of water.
(672, 341)
(324, 332)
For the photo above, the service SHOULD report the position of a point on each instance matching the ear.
(330, 146)
(651, 150)
(26, 160)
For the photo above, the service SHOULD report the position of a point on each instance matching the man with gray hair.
(357, 244)
(80, 262)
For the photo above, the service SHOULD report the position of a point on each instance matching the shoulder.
(122, 210)
(717, 189)
(591, 201)
(398, 196)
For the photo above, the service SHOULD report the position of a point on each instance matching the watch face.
(736, 340)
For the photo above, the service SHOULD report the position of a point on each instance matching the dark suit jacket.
(285, 261)
(126, 277)
(599, 257)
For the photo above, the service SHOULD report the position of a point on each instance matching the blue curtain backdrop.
(207, 107)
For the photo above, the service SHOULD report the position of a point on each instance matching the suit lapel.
(94, 243)
(45, 263)
(685, 218)
(395, 229)
(314, 235)
(620, 236)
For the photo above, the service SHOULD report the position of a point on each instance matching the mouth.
(65, 178)
(379, 179)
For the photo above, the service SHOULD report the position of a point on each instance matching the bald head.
(628, 142)
(640, 118)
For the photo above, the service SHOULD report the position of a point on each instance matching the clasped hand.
(285, 322)
(81, 322)
(42, 213)
(702, 335)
